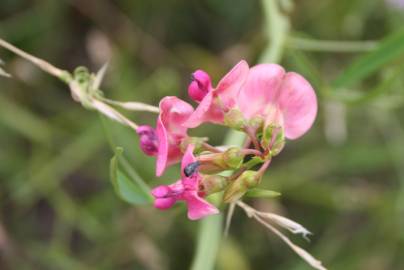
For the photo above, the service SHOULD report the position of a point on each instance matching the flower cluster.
(264, 101)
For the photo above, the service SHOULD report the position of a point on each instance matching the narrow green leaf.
(128, 190)
(208, 243)
(389, 49)
(262, 193)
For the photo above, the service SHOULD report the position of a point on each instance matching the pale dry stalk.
(288, 224)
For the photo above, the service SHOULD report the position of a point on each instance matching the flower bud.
(213, 183)
(234, 119)
(273, 138)
(210, 168)
(240, 186)
(148, 140)
(163, 200)
(233, 158)
(199, 86)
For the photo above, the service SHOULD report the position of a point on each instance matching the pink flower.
(185, 189)
(214, 102)
(148, 140)
(170, 131)
(199, 86)
(280, 98)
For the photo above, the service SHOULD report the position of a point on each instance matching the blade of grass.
(391, 48)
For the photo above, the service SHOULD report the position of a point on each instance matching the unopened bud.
(233, 158)
(273, 138)
(234, 119)
(210, 168)
(148, 140)
(200, 85)
(163, 197)
(240, 186)
(213, 183)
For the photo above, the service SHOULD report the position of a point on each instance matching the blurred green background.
(344, 180)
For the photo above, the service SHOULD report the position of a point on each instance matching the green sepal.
(233, 158)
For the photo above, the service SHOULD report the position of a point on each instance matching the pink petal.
(161, 191)
(170, 131)
(298, 104)
(261, 89)
(206, 111)
(199, 208)
(174, 112)
(229, 86)
(162, 153)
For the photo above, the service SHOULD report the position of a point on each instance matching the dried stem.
(90, 101)
(132, 106)
(100, 106)
(253, 213)
(45, 66)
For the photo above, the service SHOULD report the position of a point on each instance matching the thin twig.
(133, 106)
(45, 66)
(113, 114)
(252, 213)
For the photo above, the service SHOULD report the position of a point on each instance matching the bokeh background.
(344, 180)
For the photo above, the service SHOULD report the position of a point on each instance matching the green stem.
(331, 45)
(277, 29)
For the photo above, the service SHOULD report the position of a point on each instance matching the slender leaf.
(208, 243)
(390, 49)
(128, 190)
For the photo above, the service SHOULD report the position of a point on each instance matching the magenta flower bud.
(199, 86)
(163, 200)
(148, 140)
(164, 203)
